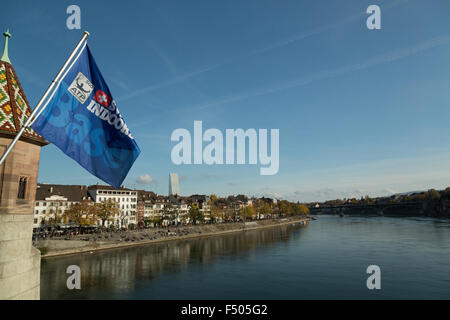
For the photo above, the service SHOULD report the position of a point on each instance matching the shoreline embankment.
(101, 246)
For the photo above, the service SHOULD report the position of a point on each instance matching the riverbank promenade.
(111, 240)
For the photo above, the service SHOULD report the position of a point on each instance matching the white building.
(125, 198)
(54, 198)
(47, 209)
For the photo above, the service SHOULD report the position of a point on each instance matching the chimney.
(51, 189)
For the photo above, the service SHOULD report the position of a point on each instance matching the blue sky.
(359, 111)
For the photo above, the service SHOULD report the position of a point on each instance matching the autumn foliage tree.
(433, 195)
(213, 198)
(284, 208)
(54, 213)
(216, 212)
(106, 210)
(81, 213)
(195, 214)
(247, 212)
(301, 209)
(265, 209)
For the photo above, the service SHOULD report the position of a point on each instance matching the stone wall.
(19, 260)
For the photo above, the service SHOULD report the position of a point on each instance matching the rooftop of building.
(74, 193)
(14, 107)
(106, 187)
(144, 195)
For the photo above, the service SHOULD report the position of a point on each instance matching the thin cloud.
(270, 47)
(172, 67)
(166, 83)
(384, 58)
(331, 26)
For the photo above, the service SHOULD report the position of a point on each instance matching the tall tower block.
(19, 260)
(174, 184)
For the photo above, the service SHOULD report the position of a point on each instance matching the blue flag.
(82, 120)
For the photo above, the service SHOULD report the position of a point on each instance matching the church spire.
(4, 56)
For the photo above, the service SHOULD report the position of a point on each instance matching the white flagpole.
(41, 101)
(57, 84)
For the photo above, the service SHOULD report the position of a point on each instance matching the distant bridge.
(376, 208)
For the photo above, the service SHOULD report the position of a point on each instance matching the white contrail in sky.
(384, 58)
(267, 48)
(326, 74)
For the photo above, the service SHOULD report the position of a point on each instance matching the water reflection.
(114, 273)
(325, 260)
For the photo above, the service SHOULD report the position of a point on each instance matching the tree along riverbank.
(434, 209)
(107, 240)
(431, 203)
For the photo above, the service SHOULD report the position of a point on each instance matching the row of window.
(116, 192)
(50, 204)
(37, 212)
(45, 211)
(115, 199)
(129, 206)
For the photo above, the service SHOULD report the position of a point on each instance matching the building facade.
(174, 184)
(53, 200)
(136, 207)
(126, 200)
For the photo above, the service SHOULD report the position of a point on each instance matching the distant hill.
(409, 193)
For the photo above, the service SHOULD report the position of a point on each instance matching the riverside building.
(54, 199)
(136, 207)
(126, 199)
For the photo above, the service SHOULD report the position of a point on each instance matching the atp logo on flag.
(102, 98)
(81, 88)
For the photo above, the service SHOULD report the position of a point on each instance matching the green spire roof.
(5, 57)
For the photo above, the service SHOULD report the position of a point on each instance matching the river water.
(327, 259)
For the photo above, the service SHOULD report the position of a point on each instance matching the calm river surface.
(326, 259)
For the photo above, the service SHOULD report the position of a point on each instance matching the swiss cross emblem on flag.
(102, 98)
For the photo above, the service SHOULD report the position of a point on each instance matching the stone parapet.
(20, 262)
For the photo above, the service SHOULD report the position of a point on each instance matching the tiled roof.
(71, 192)
(106, 187)
(144, 195)
(14, 107)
